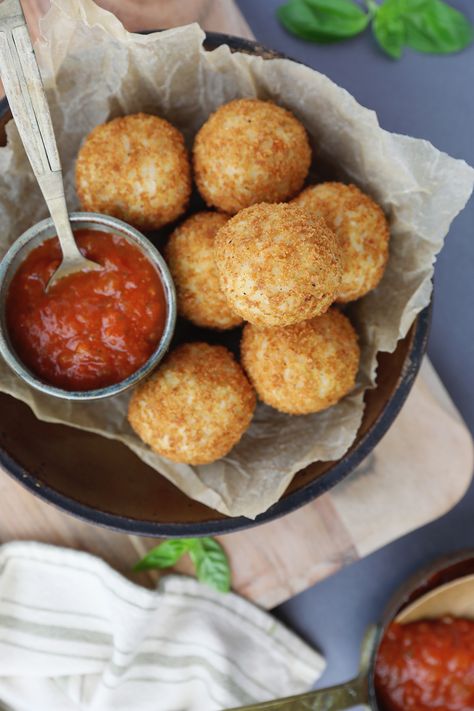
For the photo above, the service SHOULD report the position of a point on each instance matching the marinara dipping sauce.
(427, 665)
(91, 329)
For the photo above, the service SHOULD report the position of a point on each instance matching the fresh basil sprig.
(209, 559)
(323, 20)
(424, 25)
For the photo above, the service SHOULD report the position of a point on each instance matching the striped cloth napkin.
(74, 634)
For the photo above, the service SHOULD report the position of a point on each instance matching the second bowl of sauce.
(427, 665)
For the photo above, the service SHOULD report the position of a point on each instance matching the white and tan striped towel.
(74, 634)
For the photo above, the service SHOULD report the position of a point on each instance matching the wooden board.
(427, 453)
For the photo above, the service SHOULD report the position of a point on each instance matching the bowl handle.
(334, 698)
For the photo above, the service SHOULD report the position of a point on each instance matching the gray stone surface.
(428, 97)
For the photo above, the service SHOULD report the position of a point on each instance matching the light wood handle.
(25, 91)
(27, 99)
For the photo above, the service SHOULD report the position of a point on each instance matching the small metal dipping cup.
(44, 230)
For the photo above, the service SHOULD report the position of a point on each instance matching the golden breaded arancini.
(250, 151)
(362, 229)
(195, 407)
(302, 368)
(135, 168)
(190, 257)
(277, 264)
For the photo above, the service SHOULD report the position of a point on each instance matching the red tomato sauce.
(91, 329)
(427, 665)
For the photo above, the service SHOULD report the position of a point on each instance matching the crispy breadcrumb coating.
(135, 168)
(195, 407)
(302, 368)
(277, 264)
(361, 228)
(190, 257)
(250, 151)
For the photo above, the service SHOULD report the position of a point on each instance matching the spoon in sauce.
(66, 329)
(455, 599)
(26, 96)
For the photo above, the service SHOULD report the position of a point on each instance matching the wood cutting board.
(420, 469)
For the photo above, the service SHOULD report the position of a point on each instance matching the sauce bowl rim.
(39, 233)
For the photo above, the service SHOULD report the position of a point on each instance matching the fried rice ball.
(135, 168)
(190, 257)
(302, 368)
(250, 151)
(195, 407)
(277, 264)
(362, 229)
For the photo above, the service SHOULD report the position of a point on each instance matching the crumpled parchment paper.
(95, 70)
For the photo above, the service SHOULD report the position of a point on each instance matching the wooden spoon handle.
(25, 91)
(26, 96)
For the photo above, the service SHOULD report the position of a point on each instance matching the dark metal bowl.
(103, 482)
(361, 691)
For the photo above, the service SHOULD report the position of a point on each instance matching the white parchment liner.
(96, 70)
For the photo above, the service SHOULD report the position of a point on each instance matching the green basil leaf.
(297, 18)
(285, 15)
(437, 28)
(323, 20)
(208, 556)
(424, 25)
(345, 9)
(389, 28)
(211, 563)
(409, 6)
(166, 554)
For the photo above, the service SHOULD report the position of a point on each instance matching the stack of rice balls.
(268, 255)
